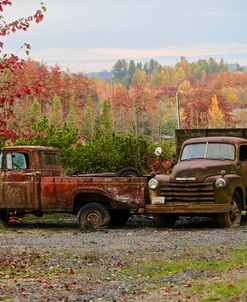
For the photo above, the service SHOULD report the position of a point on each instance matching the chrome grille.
(185, 192)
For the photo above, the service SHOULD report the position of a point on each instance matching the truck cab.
(21, 168)
(210, 178)
(46, 160)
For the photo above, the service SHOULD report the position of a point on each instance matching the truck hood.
(199, 169)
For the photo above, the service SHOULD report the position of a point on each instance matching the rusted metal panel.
(59, 192)
(19, 190)
(20, 186)
(187, 192)
(40, 185)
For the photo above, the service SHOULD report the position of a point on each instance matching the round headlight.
(220, 183)
(153, 184)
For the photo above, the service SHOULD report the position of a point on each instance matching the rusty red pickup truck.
(32, 181)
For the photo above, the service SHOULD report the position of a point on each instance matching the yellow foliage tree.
(215, 114)
(185, 86)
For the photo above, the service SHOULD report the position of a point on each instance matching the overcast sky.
(91, 35)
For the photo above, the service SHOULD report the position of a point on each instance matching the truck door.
(19, 185)
(243, 163)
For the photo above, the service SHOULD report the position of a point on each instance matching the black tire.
(233, 217)
(164, 220)
(4, 217)
(119, 218)
(93, 216)
(129, 171)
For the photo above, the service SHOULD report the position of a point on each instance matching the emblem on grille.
(185, 178)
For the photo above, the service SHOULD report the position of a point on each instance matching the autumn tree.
(119, 70)
(195, 106)
(151, 66)
(55, 113)
(106, 116)
(90, 118)
(74, 115)
(121, 103)
(138, 96)
(215, 115)
(10, 91)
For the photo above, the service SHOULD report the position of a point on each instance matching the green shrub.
(103, 152)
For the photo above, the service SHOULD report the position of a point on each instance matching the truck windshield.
(208, 150)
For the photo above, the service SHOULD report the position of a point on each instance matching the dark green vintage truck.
(210, 178)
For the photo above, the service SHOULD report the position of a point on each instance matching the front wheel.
(93, 216)
(233, 217)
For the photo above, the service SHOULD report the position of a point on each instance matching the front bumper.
(187, 208)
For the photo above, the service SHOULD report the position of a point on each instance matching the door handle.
(33, 173)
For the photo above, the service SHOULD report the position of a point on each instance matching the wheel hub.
(93, 218)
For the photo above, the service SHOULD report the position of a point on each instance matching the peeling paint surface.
(41, 186)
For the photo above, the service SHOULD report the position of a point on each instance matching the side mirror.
(158, 151)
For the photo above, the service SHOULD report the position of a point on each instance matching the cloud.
(109, 53)
(214, 14)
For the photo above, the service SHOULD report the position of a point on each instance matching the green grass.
(225, 263)
(216, 291)
(31, 217)
(156, 268)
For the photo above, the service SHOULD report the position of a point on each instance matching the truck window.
(243, 152)
(193, 151)
(17, 160)
(51, 159)
(221, 151)
(208, 150)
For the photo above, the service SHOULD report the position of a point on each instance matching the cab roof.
(217, 139)
(30, 148)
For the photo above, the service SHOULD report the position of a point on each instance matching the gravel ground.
(54, 261)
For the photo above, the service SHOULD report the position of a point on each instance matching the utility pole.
(178, 110)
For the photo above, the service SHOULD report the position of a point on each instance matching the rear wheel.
(233, 217)
(93, 216)
(164, 220)
(4, 217)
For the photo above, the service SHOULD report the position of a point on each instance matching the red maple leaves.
(10, 90)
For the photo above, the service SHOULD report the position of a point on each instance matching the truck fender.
(234, 183)
(82, 197)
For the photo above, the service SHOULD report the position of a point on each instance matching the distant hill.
(103, 75)
(235, 66)
(108, 75)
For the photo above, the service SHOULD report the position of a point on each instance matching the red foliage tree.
(10, 90)
(199, 98)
